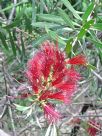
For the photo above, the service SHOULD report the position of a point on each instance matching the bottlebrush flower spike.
(50, 114)
(78, 60)
(51, 79)
(93, 128)
(73, 74)
(57, 96)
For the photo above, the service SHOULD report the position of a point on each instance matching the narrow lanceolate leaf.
(33, 11)
(54, 131)
(11, 6)
(12, 43)
(54, 36)
(88, 12)
(22, 44)
(13, 24)
(21, 108)
(69, 46)
(45, 24)
(98, 26)
(69, 6)
(48, 130)
(100, 54)
(84, 28)
(29, 112)
(97, 43)
(50, 18)
(66, 18)
(3, 40)
(91, 66)
(39, 40)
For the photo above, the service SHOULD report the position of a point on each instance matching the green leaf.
(54, 36)
(84, 28)
(48, 2)
(69, 6)
(21, 108)
(28, 26)
(48, 130)
(45, 24)
(53, 131)
(22, 44)
(98, 44)
(39, 40)
(42, 6)
(66, 18)
(11, 6)
(12, 25)
(33, 12)
(91, 66)
(30, 99)
(3, 40)
(94, 39)
(29, 112)
(98, 26)
(20, 13)
(88, 12)
(12, 43)
(100, 54)
(50, 18)
(69, 46)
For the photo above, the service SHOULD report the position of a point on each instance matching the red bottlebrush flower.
(47, 69)
(73, 74)
(77, 60)
(67, 86)
(93, 128)
(57, 96)
(50, 114)
(50, 78)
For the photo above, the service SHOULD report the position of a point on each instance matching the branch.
(8, 101)
(97, 75)
(3, 112)
(12, 12)
(3, 15)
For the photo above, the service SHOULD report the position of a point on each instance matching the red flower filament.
(51, 79)
(93, 128)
